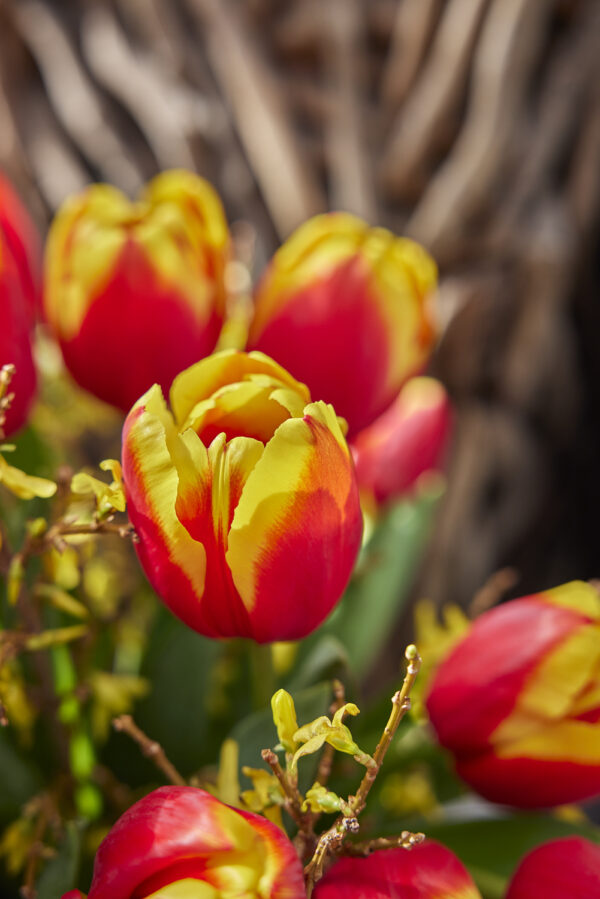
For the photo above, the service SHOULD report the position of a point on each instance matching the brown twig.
(38, 849)
(493, 590)
(290, 791)
(400, 706)
(150, 748)
(405, 840)
(332, 840)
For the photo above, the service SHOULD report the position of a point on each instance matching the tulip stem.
(262, 675)
(400, 706)
(150, 748)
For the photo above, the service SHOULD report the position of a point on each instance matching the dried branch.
(349, 170)
(72, 95)
(506, 54)
(290, 191)
(434, 100)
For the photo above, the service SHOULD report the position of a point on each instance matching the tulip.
(343, 307)
(22, 242)
(15, 348)
(135, 292)
(407, 440)
(569, 867)
(517, 701)
(427, 871)
(182, 843)
(243, 498)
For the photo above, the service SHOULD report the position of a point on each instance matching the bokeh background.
(471, 125)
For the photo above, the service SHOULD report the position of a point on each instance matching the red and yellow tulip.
(182, 843)
(568, 867)
(343, 307)
(15, 347)
(517, 701)
(23, 243)
(244, 499)
(427, 871)
(134, 292)
(407, 440)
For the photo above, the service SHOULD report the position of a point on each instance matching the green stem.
(262, 675)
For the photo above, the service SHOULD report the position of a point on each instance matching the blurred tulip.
(427, 871)
(24, 245)
(15, 348)
(135, 292)
(343, 307)
(517, 701)
(407, 440)
(182, 843)
(568, 867)
(244, 499)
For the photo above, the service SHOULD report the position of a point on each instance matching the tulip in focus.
(134, 292)
(407, 440)
(569, 867)
(244, 499)
(517, 701)
(343, 307)
(22, 242)
(182, 843)
(427, 871)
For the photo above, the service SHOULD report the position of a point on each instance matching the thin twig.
(150, 748)
(400, 706)
(405, 840)
(331, 842)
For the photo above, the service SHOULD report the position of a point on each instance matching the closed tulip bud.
(407, 440)
(517, 701)
(243, 498)
(343, 307)
(23, 244)
(182, 843)
(135, 292)
(427, 871)
(569, 867)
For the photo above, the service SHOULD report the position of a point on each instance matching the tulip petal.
(297, 527)
(190, 888)
(152, 454)
(224, 370)
(180, 834)
(427, 871)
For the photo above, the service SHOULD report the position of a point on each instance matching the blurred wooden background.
(472, 125)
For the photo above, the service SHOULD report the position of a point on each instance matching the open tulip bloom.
(244, 499)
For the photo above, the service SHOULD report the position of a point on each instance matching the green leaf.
(18, 780)
(60, 874)
(372, 603)
(180, 666)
